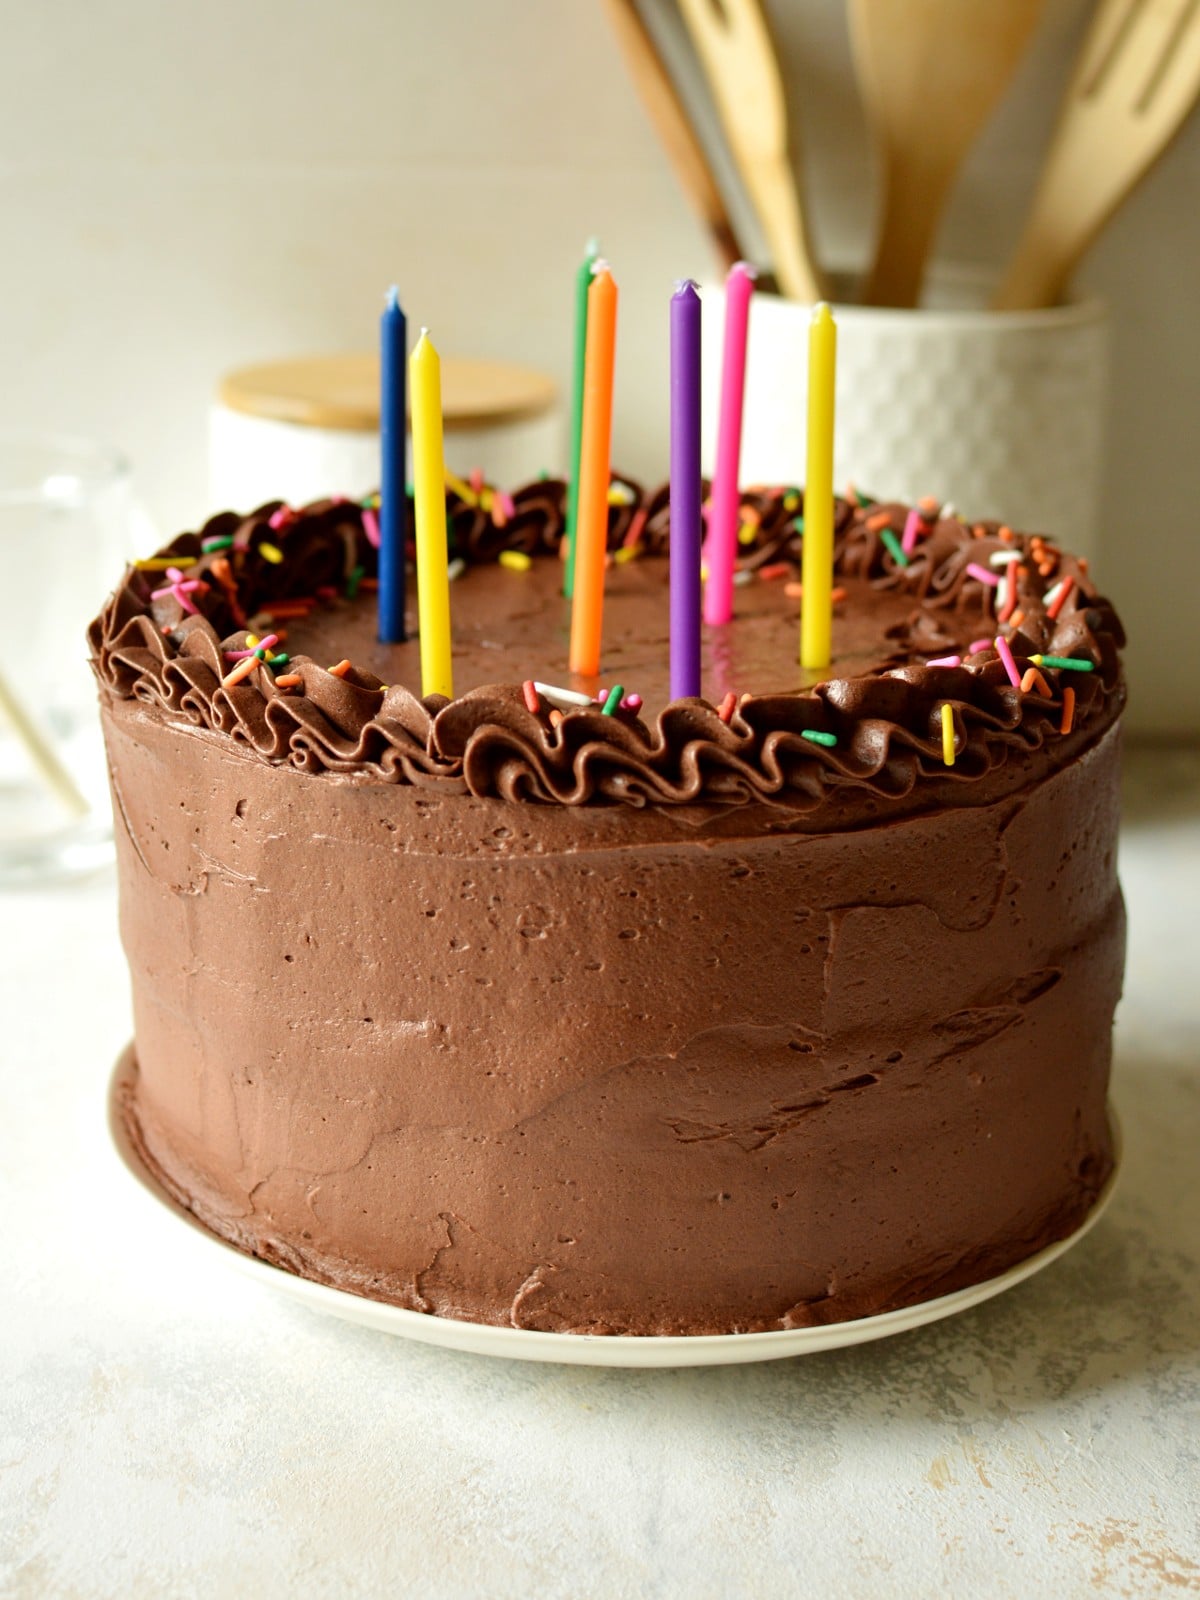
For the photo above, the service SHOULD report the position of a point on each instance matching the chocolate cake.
(779, 1007)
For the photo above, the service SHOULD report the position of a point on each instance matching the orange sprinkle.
(929, 505)
(289, 609)
(340, 671)
(1006, 533)
(1034, 680)
(1082, 562)
(242, 670)
(1068, 716)
(979, 531)
(556, 717)
(795, 591)
(532, 698)
(775, 569)
(288, 681)
(727, 707)
(1017, 618)
(368, 583)
(1045, 568)
(1060, 598)
(880, 519)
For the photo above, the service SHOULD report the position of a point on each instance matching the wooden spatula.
(1137, 78)
(674, 129)
(931, 72)
(739, 61)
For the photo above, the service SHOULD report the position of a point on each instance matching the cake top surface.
(924, 619)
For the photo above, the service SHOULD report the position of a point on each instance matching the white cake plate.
(595, 1350)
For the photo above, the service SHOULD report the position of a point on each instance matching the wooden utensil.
(1137, 78)
(742, 70)
(931, 72)
(673, 126)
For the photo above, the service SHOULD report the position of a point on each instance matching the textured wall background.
(186, 187)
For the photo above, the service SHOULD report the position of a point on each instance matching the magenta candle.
(720, 549)
(685, 491)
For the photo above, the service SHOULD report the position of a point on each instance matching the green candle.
(583, 282)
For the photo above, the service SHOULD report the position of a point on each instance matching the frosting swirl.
(168, 650)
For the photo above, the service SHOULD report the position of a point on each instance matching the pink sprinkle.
(1010, 666)
(982, 573)
(947, 661)
(475, 479)
(913, 525)
(371, 526)
(1059, 600)
(634, 531)
(281, 517)
(506, 502)
(977, 645)
(631, 702)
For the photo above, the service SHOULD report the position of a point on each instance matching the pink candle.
(720, 548)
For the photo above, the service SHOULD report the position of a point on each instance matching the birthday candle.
(393, 428)
(685, 491)
(720, 548)
(816, 605)
(587, 607)
(583, 282)
(429, 482)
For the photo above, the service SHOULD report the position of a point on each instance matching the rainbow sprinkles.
(1005, 644)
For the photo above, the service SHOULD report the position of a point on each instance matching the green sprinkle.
(1071, 663)
(543, 476)
(218, 542)
(798, 524)
(281, 660)
(815, 736)
(863, 499)
(895, 548)
(615, 695)
(353, 581)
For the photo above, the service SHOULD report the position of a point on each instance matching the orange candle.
(591, 525)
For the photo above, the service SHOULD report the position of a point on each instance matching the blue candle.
(393, 477)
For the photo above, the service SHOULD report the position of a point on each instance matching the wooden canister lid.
(343, 392)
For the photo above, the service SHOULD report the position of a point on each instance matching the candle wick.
(600, 265)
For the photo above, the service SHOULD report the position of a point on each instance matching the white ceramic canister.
(1001, 413)
(298, 430)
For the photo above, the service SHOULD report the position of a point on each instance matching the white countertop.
(168, 1428)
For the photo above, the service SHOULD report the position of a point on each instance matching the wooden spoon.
(1137, 79)
(931, 72)
(673, 126)
(739, 61)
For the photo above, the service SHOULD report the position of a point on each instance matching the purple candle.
(685, 491)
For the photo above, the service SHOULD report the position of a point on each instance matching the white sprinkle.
(562, 698)
(1003, 557)
(455, 568)
(1051, 595)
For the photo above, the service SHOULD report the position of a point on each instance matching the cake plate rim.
(587, 1349)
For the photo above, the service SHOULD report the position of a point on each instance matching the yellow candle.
(816, 607)
(429, 493)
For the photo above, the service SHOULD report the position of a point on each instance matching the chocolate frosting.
(883, 707)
